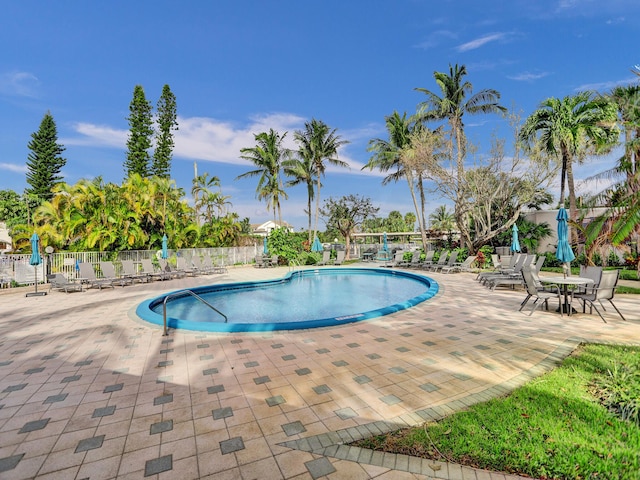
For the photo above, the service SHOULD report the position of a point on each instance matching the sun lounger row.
(131, 273)
(447, 262)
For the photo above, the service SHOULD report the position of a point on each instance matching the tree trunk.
(315, 230)
(573, 209)
(423, 232)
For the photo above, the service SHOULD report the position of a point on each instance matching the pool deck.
(89, 392)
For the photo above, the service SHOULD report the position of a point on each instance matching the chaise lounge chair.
(109, 272)
(129, 270)
(326, 257)
(59, 282)
(88, 275)
(460, 267)
(339, 257)
(151, 272)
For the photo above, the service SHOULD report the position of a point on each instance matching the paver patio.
(89, 391)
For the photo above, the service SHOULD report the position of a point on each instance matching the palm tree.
(269, 156)
(390, 155)
(302, 170)
(622, 217)
(201, 187)
(320, 144)
(570, 129)
(451, 106)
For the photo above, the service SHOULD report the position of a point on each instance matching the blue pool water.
(302, 299)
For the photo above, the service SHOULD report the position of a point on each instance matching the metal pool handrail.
(193, 294)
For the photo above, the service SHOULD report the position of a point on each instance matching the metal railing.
(181, 293)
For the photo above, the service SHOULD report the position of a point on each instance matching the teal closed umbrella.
(35, 260)
(564, 253)
(317, 246)
(385, 247)
(165, 253)
(265, 248)
(515, 243)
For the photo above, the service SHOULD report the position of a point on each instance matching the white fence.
(15, 270)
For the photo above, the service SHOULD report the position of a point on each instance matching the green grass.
(567, 424)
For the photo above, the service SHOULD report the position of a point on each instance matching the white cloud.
(604, 86)
(97, 135)
(21, 84)
(436, 38)
(528, 76)
(479, 42)
(12, 167)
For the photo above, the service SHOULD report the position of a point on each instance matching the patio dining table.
(565, 283)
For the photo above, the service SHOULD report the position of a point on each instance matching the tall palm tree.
(320, 143)
(302, 170)
(269, 155)
(388, 156)
(570, 128)
(454, 101)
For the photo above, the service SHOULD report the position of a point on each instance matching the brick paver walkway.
(89, 391)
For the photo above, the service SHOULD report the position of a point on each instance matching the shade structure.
(385, 247)
(316, 246)
(564, 253)
(265, 249)
(515, 243)
(165, 253)
(35, 260)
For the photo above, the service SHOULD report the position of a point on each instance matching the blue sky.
(241, 67)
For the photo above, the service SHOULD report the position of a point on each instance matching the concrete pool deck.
(87, 391)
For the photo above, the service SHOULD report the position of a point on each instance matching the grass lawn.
(580, 421)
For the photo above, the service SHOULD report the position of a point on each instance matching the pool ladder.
(193, 294)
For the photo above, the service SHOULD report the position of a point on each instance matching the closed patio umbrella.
(35, 260)
(385, 247)
(265, 249)
(317, 246)
(515, 243)
(165, 253)
(564, 253)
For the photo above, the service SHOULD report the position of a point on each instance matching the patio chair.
(273, 261)
(428, 259)
(414, 262)
(442, 261)
(398, 259)
(88, 276)
(165, 266)
(151, 272)
(489, 277)
(109, 271)
(260, 262)
(59, 282)
(535, 290)
(181, 264)
(130, 270)
(339, 257)
(200, 267)
(460, 267)
(326, 257)
(604, 291)
(208, 262)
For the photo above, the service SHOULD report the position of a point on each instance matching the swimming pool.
(302, 299)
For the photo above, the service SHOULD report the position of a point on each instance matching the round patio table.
(565, 282)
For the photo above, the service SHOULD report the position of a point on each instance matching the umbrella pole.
(36, 293)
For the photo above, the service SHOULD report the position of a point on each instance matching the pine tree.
(166, 121)
(44, 162)
(140, 134)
